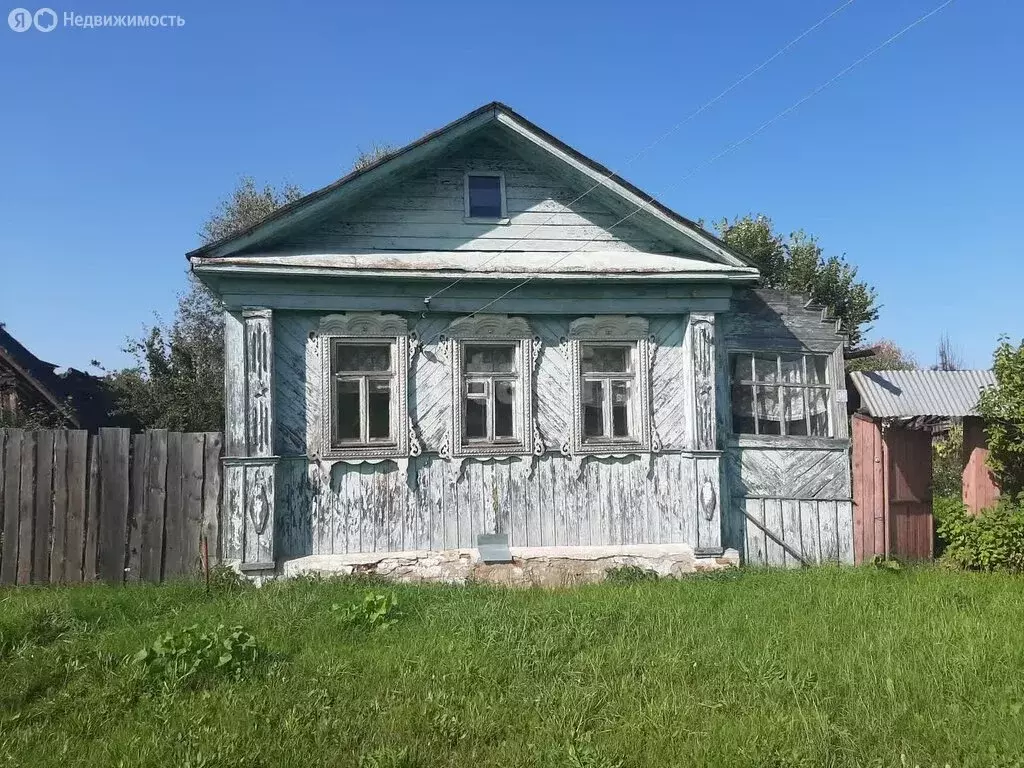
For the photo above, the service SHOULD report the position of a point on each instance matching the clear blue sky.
(117, 143)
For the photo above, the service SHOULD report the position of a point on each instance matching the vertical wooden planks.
(44, 507)
(74, 529)
(844, 526)
(192, 463)
(211, 493)
(92, 514)
(11, 467)
(828, 535)
(791, 533)
(27, 507)
(773, 523)
(137, 492)
(809, 543)
(755, 545)
(174, 519)
(58, 556)
(151, 533)
(114, 447)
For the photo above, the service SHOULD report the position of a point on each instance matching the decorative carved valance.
(617, 327)
(363, 324)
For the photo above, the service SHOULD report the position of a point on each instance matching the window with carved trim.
(781, 394)
(364, 412)
(492, 366)
(611, 358)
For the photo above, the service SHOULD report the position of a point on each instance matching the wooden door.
(910, 493)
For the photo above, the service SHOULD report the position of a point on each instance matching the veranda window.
(780, 394)
(362, 387)
(608, 382)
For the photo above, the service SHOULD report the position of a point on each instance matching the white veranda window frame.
(787, 394)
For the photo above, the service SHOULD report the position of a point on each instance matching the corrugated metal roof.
(894, 394)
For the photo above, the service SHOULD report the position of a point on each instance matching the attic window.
(485, 195)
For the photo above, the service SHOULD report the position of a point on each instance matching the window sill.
(500, 220)
(793, 442)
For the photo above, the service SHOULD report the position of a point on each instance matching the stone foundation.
(530, 566)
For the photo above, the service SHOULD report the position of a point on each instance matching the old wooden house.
(487, 333)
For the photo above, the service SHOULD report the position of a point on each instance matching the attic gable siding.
(426, 211)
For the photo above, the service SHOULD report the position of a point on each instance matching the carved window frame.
(484, 330)
(365, 328)
(614, 330)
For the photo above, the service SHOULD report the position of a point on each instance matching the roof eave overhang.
(205, 267)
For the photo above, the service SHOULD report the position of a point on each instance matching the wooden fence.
(113, 506)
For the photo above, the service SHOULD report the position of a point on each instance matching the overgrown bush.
(178, 656)
(1002, 407)
(948, 463)
(990, 541)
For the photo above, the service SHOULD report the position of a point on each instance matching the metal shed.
(892, 456)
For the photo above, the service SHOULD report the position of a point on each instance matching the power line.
(846, 70)
(702, 108)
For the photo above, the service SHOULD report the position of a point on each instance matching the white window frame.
(613, 330)
(364, 329)
(492, 330)
(503, 218)
(829, 387)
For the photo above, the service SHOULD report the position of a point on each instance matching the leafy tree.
(888, 357)
(1002, 408)
(797, 263)
(177, 381)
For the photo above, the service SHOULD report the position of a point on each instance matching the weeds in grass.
(630, 574)
(178, 656)
(224, 578)
(374, 612)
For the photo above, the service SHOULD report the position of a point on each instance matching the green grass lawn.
(824, 667)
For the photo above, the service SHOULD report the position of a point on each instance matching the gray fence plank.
(60, 505)
(152, 528)
(137, 494)
(12, 506)
(74, 529)
(44, 507)
(174, 518)
(92, 512)
(3, 502)
(27, 504)
(114, 445)
(192, 445)
(211, 493)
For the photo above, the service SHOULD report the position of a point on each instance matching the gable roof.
(37, 373)
(909, 394)
(364, 181)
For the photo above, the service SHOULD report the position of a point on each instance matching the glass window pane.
(593, 409)
(817, 366)
(743, 409)
(793, 403)
(362, 357)
(604, 359)
(768, 411)
(485, 196)
(741, 368)
(766, 368)
(379, 407)
(346, 415)
(504, 401)
(476, 418)
(818, 406)
(489, 358)
(476, 387)
(620, 409)
(792, 369)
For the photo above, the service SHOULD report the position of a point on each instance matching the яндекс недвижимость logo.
(22, 19)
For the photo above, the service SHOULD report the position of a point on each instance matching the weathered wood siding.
(790, 498)
(426, 211)
(376, 508)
